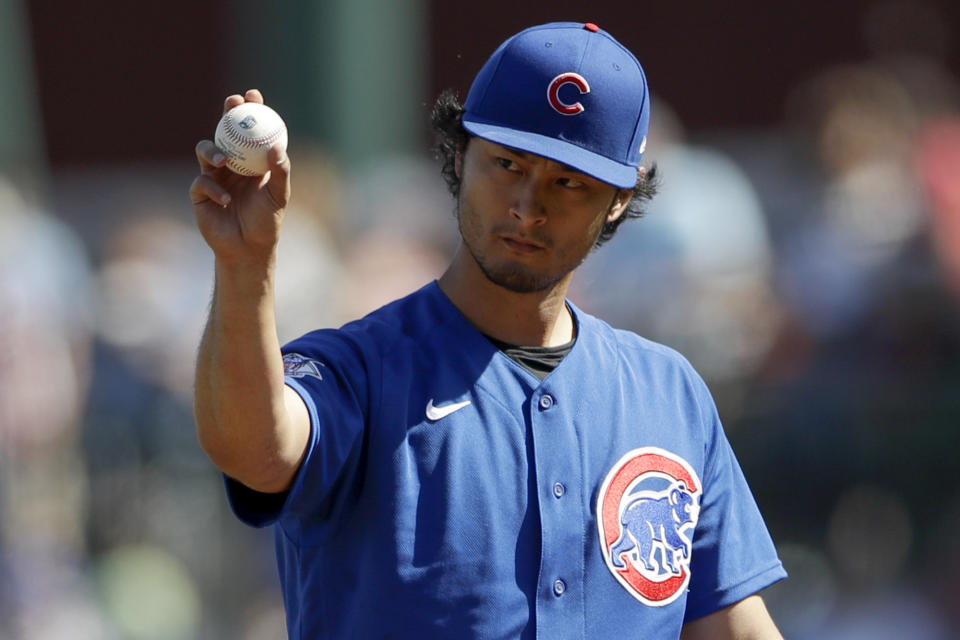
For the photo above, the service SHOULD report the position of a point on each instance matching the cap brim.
(604, 169)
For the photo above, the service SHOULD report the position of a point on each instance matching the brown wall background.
(108, 75)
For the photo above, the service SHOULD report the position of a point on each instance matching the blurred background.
(804, 253)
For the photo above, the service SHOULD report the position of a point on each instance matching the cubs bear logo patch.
(647, 509)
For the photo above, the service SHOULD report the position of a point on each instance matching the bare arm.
(744, 620)
(253, 427)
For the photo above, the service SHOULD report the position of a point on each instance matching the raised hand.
(239, 216)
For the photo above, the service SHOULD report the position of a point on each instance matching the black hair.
(451, 139)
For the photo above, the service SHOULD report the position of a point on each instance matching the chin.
(519, 279)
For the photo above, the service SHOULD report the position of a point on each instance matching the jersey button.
(558, 489)
(546, 401)
(559, 587)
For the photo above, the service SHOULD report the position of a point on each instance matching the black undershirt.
(539, 361)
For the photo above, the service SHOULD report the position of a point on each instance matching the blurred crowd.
(810, 272)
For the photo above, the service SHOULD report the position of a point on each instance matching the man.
(481, 458)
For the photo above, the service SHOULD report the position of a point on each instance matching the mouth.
(521, 245)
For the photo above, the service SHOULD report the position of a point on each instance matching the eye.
(508, 164)
(571, 183)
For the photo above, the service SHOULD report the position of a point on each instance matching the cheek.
(598, 223)
(594, 227)
(470, 223)
(594, 232)
(480, 199)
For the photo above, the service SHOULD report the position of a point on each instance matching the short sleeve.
(733, 554)
(331, 376)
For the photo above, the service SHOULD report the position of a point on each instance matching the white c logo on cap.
(553, 92)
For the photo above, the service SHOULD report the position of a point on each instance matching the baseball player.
(482, 459)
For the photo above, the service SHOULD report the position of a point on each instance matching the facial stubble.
(515, 276)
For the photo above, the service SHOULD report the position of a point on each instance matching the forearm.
(242, 422)
(252, 426)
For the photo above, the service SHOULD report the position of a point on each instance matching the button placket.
(555, 441)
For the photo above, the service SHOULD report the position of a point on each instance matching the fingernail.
(218, 158)
(226, 198)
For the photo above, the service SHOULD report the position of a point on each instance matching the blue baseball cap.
(567, 91)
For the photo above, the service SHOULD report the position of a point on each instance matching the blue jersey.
(448, 493)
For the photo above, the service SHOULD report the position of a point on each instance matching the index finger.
(232, 101)
(209, 156)
(235, 100)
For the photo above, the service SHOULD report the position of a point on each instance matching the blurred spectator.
(155, 284)
(854, 409)
(400, 232)
(46, 311)
(153, 493)
(863, 123)
(47, 306)
(938, 166)
(309, 271)
(695, 273)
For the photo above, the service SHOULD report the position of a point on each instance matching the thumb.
(279, 181)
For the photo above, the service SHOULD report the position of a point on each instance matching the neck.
(540, 318)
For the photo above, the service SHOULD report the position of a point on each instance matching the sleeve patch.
(296, 365)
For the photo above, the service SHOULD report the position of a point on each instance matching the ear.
(622, 199)
(619, 204)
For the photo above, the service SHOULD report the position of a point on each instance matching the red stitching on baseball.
(250, 142)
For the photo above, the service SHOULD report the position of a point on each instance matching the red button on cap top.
(591, 27)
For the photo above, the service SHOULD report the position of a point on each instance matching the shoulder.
(404, 319)
(654, 373)
(630, 348)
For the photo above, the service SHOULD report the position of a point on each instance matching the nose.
(528, 203)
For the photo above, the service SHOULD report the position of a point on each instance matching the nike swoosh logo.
(435, 413)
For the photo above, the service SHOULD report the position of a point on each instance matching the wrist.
(247, 274)
(247, 261)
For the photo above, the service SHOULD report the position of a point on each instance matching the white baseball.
(245, 134)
